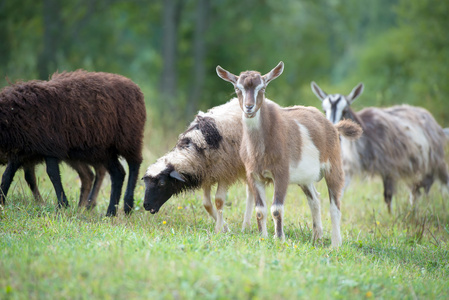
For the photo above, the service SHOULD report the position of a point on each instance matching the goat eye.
(162, 182)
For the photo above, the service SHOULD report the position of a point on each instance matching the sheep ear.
(176, 175)
(356, 92)
(273, 74)
(226, 75)
(318, 91)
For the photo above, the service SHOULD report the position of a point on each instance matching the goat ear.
(275, 73)
(226, 75)
(357, 91)
(318, 91)
(176, 175)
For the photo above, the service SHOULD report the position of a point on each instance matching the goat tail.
(349, 129)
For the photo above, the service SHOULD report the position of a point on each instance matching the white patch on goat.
(308, 169)
(156, 168)
(260, 187)
(252, 123)
(326, 105)
(253, 126)
(341, 105)
(256, 92)
(277, 207)
(278, 220)
(335, 103)
(249, 209)
(242, 89)
(335, 219)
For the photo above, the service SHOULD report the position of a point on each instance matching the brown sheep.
(90, 117)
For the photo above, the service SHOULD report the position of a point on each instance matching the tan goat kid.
(288, 145)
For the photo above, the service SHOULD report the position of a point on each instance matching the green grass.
(175, 254)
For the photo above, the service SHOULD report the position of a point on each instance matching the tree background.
(398, 48)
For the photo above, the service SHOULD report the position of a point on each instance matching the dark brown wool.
(85, 116)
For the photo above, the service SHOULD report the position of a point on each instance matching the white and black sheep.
(205, 154)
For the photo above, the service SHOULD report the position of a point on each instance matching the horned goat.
(205, 154)
(288, 145)
(399, 143)
(89, 117)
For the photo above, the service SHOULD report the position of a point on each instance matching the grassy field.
(175, 254)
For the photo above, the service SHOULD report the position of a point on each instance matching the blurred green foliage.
(398, 48)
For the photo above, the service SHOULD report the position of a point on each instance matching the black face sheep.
(80, 116)
(399, 143)
(206, 153)
(288, 145)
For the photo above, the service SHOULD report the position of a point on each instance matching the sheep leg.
(117, 177)
(315, 208)
(249, 209)
(388, 191)
(7, 178)
(30, 178)
(86, 176)
(258, 189)
(132, 180)
(208, 204)
(220, 197)
(277, 208)
(55, 177)
(100, 172)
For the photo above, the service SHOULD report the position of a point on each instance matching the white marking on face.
(241, 88)
(326, 105)
(156, 168)
(341, 105)
(308, 169)
(256, 92)
(333, 106)
(243, 91)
